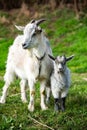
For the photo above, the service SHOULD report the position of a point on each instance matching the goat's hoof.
(56, 108)
(44, 107)
(63, 109)
(24, 100)
(2, 101)
(31, 108)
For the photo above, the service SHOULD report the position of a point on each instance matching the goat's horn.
(32, 21)
(40, 21)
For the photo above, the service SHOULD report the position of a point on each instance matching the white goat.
(28, 59)
(60, 81)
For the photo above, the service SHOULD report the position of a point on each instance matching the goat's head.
(60, 63)
(32, 33)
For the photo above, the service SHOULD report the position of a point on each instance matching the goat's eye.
(34, 34)
(64, 63)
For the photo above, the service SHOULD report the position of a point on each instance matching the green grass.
(67, 36)
(4, 45)
(14, 113)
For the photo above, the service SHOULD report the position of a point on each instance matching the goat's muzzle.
(24, 45)
(60, 70)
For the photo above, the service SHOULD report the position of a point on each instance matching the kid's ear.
(51, 57)
(20, 28)
(69, 58)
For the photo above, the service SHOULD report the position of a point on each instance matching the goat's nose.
(60, 69)
(24, 44)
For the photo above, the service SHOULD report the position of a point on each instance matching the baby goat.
(60, 81)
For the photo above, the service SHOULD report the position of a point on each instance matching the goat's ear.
(69, 58)
(38, 30)
(51, 57)
(20, 28)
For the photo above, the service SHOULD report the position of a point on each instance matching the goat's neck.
(40, 50)
(60, 77)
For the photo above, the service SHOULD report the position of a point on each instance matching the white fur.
(60, 83)
(24, 64)
(60, 78)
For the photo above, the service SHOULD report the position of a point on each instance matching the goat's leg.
(4, 93)
(48, 91)
(63, 103)
(9, 77)
(63, 99)
(32, 94)
(57, 100)
(56, 104)
(23, 93)
(42, 93)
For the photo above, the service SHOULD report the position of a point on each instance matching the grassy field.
(67, 36)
